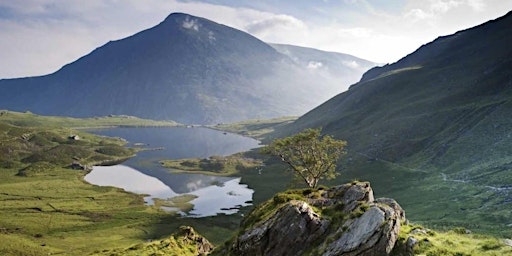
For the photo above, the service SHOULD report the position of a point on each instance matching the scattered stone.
(78, 166)
(418, 231)
(410, 243)
(74, 137)
(507, 242)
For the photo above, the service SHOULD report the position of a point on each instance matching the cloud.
(417, 14)
(315, 65)
(191, 24)
(351, 64)
(442, 6)
(272, 22)
(477, 5)
(357, 32)
(211, 36)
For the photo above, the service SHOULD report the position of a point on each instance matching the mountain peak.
(185, 21)
(187, 68)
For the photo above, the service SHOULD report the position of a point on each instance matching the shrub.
(491, 245)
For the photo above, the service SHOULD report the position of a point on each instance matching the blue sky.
(40, 36)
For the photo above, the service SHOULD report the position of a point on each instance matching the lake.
(143, 173)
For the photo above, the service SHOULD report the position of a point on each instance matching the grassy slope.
(48, 208)
(257, 129)
(55, 211)
(442, 114)
(29, 119)
(457, 241)
(426, 194)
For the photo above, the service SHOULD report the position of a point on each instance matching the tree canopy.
(310, 155)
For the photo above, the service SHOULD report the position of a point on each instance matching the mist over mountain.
(343, 68)
(187, 69)
(442, 114)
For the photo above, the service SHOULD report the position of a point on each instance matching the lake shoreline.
(208, 178)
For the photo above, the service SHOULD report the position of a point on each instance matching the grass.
(67, 215)
(428, 199)
(29, 119)
(257, 129)
(46, 207)
(214, 165)
(21, 146)
(451, 242)
(182, 243)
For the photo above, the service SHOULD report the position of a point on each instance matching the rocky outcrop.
(343, 220)
(188, 235)
(293, 225)
(185, 242)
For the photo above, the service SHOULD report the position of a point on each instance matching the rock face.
(293, 226)
(189, 236)
(351, 222)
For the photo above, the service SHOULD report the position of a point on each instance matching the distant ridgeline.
(191, 70)
(442, 115)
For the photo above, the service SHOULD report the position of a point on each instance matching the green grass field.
(33, 120)
(47, 208)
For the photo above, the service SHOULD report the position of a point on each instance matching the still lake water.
(143, 174)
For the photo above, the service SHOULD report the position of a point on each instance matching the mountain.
(188, 69)
(343, 68)
(434, 122)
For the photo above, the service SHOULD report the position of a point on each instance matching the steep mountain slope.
(443, 113)
(187, 69)
(344, 68)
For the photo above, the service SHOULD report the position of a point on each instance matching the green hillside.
(46, 206)
(433, 129)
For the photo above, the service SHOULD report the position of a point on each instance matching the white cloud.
(271, 22)
(191, 24)
(211, 36)
(417, 14)
(442, 6)
(357, 32)
(315, 65)
(351, 64)
(477, 5)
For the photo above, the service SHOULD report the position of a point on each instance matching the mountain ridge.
(440, 116)
(186, 68)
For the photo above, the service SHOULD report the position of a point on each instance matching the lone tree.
(309, 155)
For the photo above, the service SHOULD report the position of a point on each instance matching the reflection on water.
(225, 197)
(143, 174)
(129, 179)
(221, 199)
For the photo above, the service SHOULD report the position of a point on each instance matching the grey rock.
(370, 227)
(410, 243)
(286, 233)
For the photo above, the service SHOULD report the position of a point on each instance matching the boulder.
(351, 222)
(189, 236)
(293, 225)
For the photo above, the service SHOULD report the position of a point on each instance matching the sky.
(38, 37)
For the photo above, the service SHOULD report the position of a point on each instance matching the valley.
(56, 210)
(150, 144)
